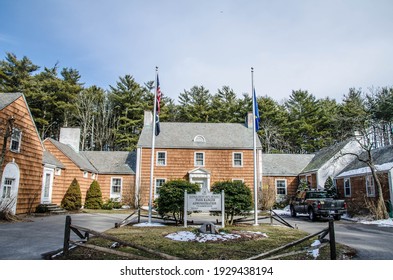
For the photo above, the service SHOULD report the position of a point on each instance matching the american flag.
(159, 94)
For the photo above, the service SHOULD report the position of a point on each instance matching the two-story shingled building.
(202, 153)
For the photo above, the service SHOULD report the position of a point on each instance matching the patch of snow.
(204, 237)
(315, 252)
(380, 223)
(149, 225)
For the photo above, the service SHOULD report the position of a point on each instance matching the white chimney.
(70, 136)
(148, 118)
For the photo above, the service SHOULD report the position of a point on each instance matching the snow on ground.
(206, 237)
(362, 220)
(149, 225)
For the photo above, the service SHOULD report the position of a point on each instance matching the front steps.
(52, 209)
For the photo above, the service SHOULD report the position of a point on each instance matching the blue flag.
(257, 119)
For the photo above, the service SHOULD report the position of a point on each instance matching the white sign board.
(204, 202)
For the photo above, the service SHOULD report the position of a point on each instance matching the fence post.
(139, 215)
(67, 233)
(271, 217)
(332, 239)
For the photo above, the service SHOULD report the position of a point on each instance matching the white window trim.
(350, 187)
(370, 179)
(238, 179)
(58, 171)
(286, 186)
(233, 159)
(19, 140)
(112, 193)
(155, 186)
(159, 164)
(85, 174)
(195, 159)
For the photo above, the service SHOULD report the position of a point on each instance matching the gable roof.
(7, 98)
(112, 162)
(383, 161)
(50, 159)
(284, 164)
(324, 155)
(75, 157)
(216, 135)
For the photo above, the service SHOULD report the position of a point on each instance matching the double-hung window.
(16, 139)
(159, 184)
(281, 186)
(347, 187)
(161, 158)
(116, 187)
(237, 159)
(370, 186)
(199, 159)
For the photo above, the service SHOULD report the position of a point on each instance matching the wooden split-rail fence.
(85, 233)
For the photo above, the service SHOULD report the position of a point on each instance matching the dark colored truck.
(317, 204)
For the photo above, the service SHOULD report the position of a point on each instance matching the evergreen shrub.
(94, 196)
(72, 199)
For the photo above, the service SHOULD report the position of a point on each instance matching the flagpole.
(153, 142)
(254, 134)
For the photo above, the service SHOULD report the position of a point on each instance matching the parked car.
(317, 204)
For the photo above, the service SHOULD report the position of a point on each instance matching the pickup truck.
(316, 204)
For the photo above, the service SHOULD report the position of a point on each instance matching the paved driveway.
(28, 240)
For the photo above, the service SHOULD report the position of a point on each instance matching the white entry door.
(47, 184)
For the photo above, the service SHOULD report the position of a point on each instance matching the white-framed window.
(199, 159)
(281, 186)
(237, 159)
(347, 187)
(116, 186)
(159, 183)
(370, 186)
(161, 158)
(85, 174)
(7, 187)
(16, 139)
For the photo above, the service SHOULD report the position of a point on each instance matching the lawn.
(247, 246)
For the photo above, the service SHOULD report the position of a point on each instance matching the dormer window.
(199, 139)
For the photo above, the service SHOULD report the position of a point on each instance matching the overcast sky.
(325, 47)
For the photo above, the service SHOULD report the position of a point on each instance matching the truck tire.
(311, 214)
(293, 212)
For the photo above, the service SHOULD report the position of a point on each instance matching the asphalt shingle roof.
(182, 135)
(80, 160)
(48, 158)
(284, 164)
(112, 162)
(382, 158)
(7, 98)
(324, 155)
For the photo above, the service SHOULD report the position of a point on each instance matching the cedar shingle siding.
(29, 158)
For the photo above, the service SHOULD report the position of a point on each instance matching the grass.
(154, 238)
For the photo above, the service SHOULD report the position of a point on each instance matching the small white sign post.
(204, 202)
